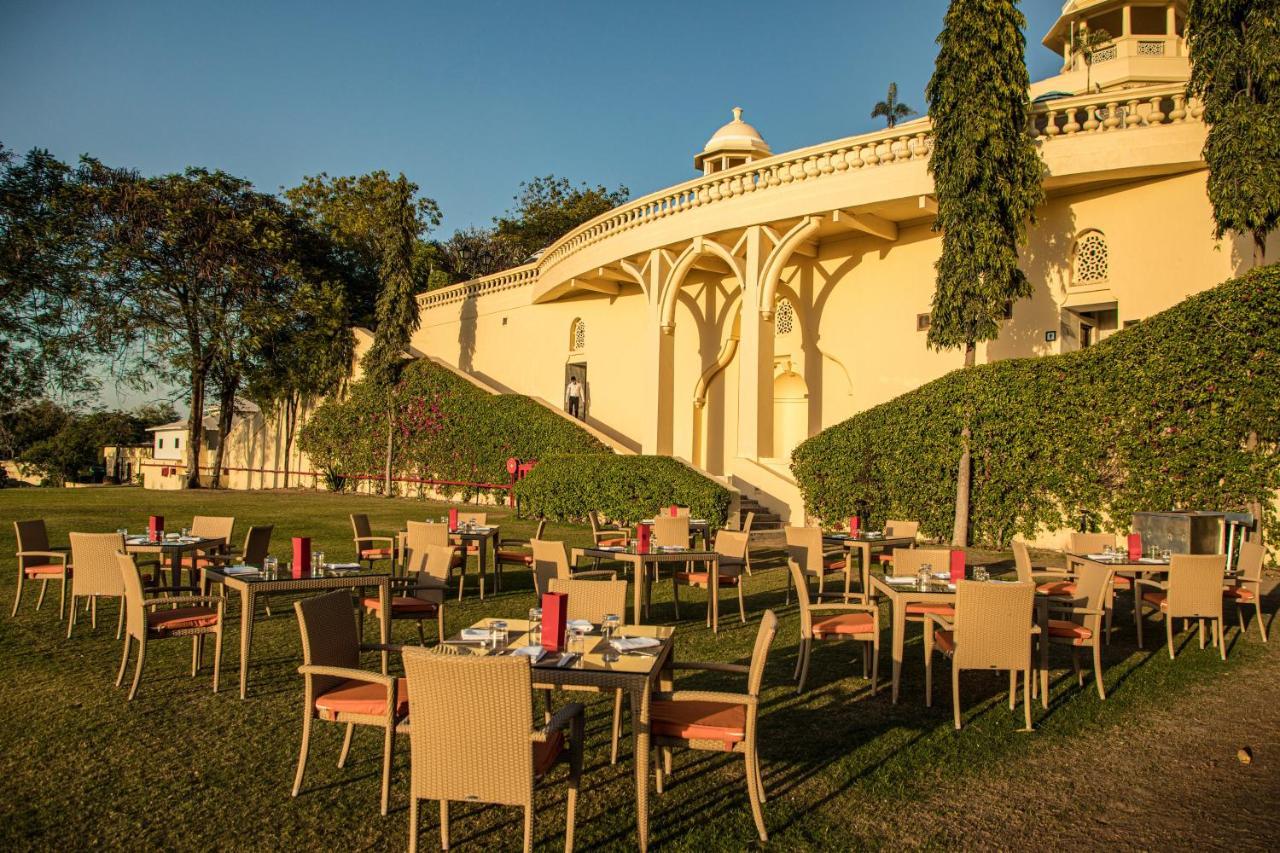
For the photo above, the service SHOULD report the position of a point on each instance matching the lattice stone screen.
(1091, 258)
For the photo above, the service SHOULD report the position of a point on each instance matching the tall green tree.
(1085, 43)
(987, 176)
(548, 207)
(382, 221)
(1235, 72)
(891, 108)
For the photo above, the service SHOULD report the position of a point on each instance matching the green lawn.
(183, 768)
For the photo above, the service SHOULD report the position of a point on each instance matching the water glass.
(498, 634)
(609, 626)
(924, 575)
(578, 643)
(186, 533)
(980, 573)
(269, 568)
(320, 560)
(123, 531)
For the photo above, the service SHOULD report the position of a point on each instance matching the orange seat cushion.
(515, 557)
(704, 578)
(722, 721)
(1067, 628)
(45, 569)
(1239, 593)
(919, 609)
(1122, 582)
(844, 624)
(885, 558)
(189, 561)
(612, 543)
(832, 564)
(1160, 599)
(1057, 588)
(182, 618)
(546, 753)
(375, 553)
(402, 604)
(945, 641)
(359, 697)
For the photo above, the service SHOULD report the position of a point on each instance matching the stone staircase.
(766, 529)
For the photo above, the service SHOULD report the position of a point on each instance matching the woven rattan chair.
(517, 552)
(479, 519)
(731, 545)
(551, 560)
(368, 549)
(603, 534)
(894, 530)
(96, 575)
(479, 743)
(1193, 591)
(907, 562)
(819, 621)
(671, 532)
(337, 690)
(992, 629)
(804, 546)
(208, 527)
(193, 616)
(717, 721)
(1097, 543)
(1080, 624)
(434, 533)
(37, 561)
(1247, 588)
(419, 595)
(1048, 581)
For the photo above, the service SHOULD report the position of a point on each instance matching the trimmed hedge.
(448, 429)
(621, 487)
(1182, 410)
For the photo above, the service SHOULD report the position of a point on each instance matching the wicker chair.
(1193, 591)
(208, 527)
(992, 629)
(96, 575)
(551, 560)
(804, 545)
(419, 595)
(433, 533)
(731, 545)
(478, 518)
(1059, 583)
(1248, 586)
(669, 531)
(1083, 626)
(516, 552)
(717, 721)
(907, 562)
(257, 545)
(858, 622)
(605, 535)
(39, 562)
(367, 548)
(337, 690)
(480, 744)
(192, 616)
(894, 530)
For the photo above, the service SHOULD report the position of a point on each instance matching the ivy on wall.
(1180, 411)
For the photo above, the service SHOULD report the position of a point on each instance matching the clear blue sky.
(467, 99)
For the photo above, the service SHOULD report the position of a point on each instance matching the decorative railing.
(1096, 113)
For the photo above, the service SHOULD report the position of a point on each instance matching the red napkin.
(675, 510)
(555, 615)
(453, 519)
(854, 523)
(155, 528)
(643, 532)
(957, 565)
(301, 557)
(1135, 546)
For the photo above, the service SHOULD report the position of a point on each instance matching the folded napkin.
(942, 576)
(1101, 556)
(341, 566)
(240, 570)
(534, 652)
(475, 633)
(899, 580)
(137, 540)
(584, 624)
(631, 644)
(1156, 561)
(697, 521)
(610, 548)
(672, 548)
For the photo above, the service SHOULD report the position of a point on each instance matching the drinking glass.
(320, 560)
(186, 533)
(498, 633)
(609, 626)
(444, 519)
(577, 643)
(1166, 555)
(123, 531)
(980, 573)
(535, 626)
(269, 567)
(923, 575)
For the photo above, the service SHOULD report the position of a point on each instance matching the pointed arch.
(699, 247)
(799, 233)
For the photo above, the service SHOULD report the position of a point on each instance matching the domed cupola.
(735, 144)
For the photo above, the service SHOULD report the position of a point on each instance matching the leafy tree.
(549, 207)
(891, 108)
(1085, 43)
(75, 448)
(24, 425)
(1235, 71)
(475, 252)
(987, 177)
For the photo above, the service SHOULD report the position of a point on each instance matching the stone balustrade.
(1111, 111)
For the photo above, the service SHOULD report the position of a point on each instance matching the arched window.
(784, 319)
(1091, 258)
(577, 335)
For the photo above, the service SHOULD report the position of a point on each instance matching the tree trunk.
(1259, 247)
(391, 430)
(226, 412)
(290, 421)
(195, 428)
(960, 526)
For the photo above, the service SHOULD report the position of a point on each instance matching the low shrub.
(628, 488)
(1178, 412)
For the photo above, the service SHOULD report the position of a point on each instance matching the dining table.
(485, 538)
(698, 527)
(251, 584)
(601, 668)
(172, 548)
(645, 566)
(863, 543)
(902, 591)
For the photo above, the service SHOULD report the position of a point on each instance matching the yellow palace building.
(724, 319)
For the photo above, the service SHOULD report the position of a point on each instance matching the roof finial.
(737, 113)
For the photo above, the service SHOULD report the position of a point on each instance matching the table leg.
(640, 726)
(384, 619)
(637, 598)
(714, 587)
(482, 562)
(899, 635)
(246, 635)
(864, 561)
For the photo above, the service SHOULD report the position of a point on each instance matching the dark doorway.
(577, 371)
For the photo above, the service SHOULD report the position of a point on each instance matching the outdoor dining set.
(593, 629)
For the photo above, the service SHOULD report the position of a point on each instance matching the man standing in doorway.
(573, 396)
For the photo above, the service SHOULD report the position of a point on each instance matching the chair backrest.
(477, 745)
(550, 560)
(1090, 543)
(213, 527)
(731, 543)
(435, 569)
(94, 557)
(993, 625)
(681, 512)
(257, 543)
(542, 526)
(908, 561)
(804, 547)
(592, 599)
(479, 518)
(671, 531)
(1022, 561)
(432, 532)
(1093, 584)
(760, 652)
(329, 638)
(420, 536)
(1195, 585)
(360, 525)
(593, 517)
(32, 535)
(135, 619)
(1252, 555)
(747, 521)
(901, 528)
(801, 584)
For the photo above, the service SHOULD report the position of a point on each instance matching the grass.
(181, 768)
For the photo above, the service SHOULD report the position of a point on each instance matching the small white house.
(168, 462)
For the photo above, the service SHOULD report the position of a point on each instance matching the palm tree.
(890, 108)
(1085, 43)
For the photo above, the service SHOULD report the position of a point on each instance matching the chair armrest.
(712, 667)
(559, 720)
(595, 573)
(707, 696)
(513, 543)
(1050, 573)
(860, 608)
(1151, 583)
(52, 555)
(216, 600)
(151, 590)
(387, 681)
(360, 539)
(1077, 611)
(383, 647)
(941, 621)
